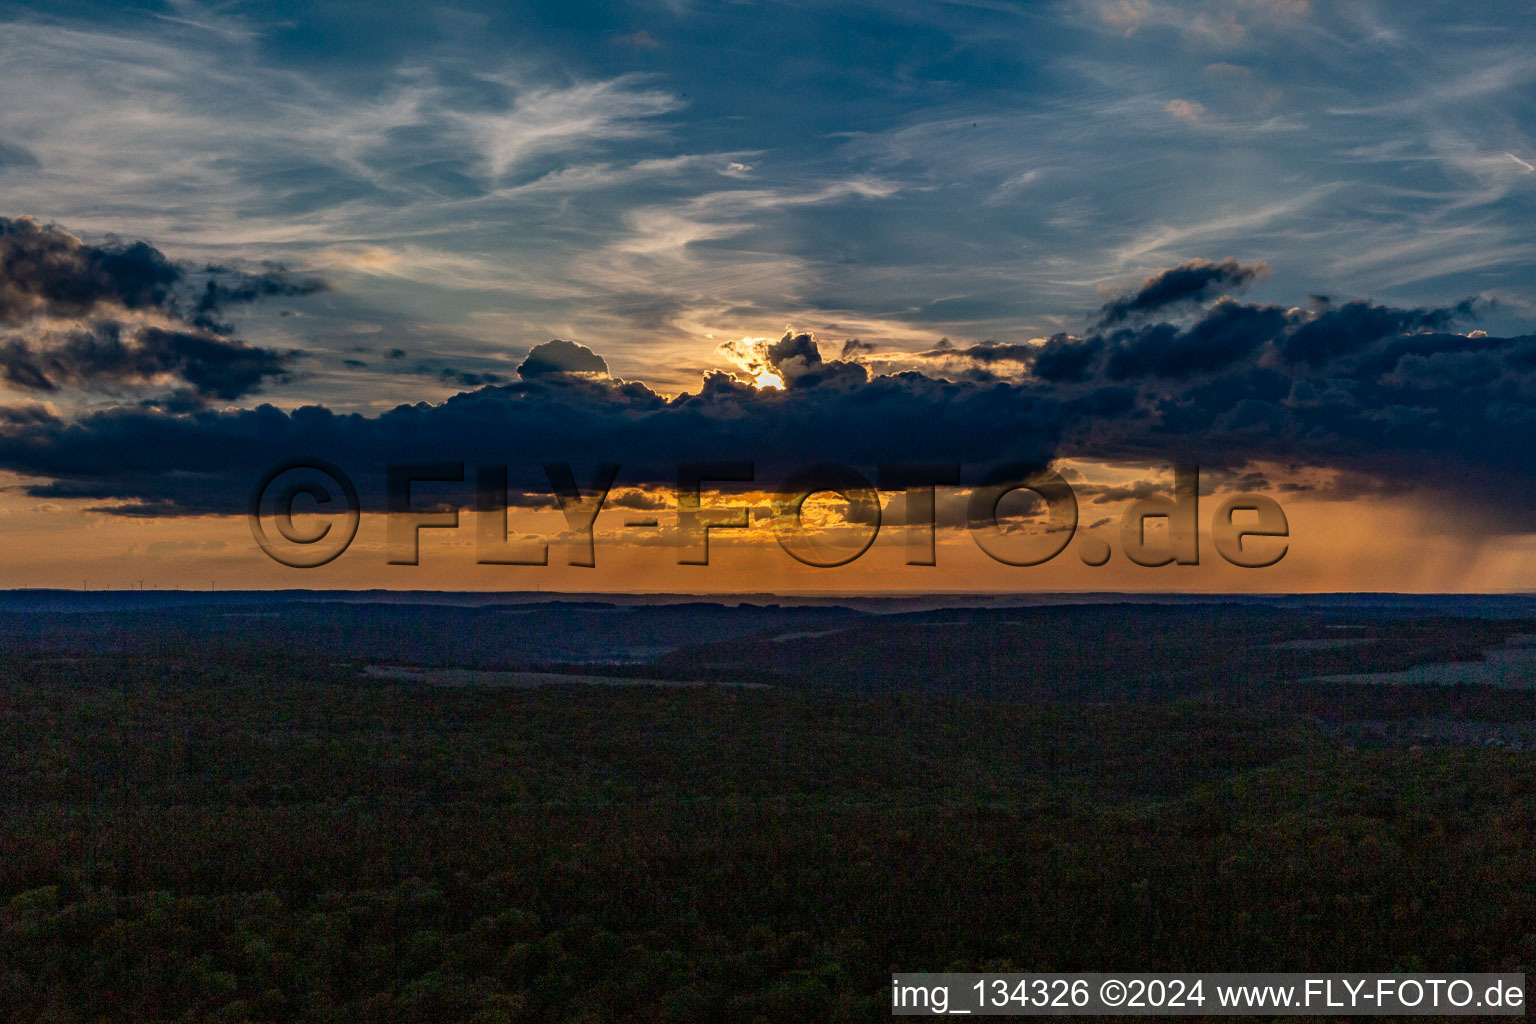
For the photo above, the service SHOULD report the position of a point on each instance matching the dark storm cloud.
(1195, 281)
(228, 287)
(985, 353)
(1388, 400)
(558, 358)
(1064, 358)
(1355, 325)
(1390, 397)
(469, 378)
(48, 275)
(1225, 335)
(796, 358)
(206, 461)
(793, 355)
(450, 376)
(45, 271)
(853, 346)
(218, 367)
(108, 356)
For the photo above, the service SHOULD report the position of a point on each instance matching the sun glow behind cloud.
(946, 193)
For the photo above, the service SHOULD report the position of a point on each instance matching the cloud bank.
(1177, 370)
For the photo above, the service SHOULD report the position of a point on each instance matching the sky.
(1288, 241)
